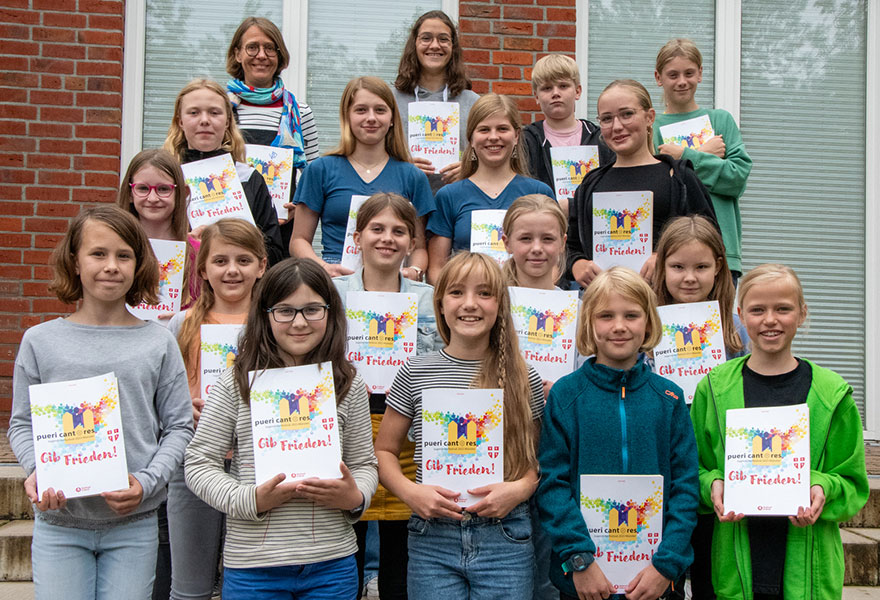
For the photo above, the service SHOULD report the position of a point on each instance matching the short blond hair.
(771, 272)
(630, 285)
(555, 67)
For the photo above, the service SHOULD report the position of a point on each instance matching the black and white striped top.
(254, 118)
(440, 370)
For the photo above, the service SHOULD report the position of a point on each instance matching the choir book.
(623, 225)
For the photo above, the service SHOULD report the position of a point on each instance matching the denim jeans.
(335, 579)
(95, 564)
(477, 558)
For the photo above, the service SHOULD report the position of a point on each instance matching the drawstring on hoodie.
(625, 450)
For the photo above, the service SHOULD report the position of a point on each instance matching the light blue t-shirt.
(456, 202)
(328, 184)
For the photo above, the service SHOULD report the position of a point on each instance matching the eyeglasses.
(624, 116)
(142, 190)
(254, 49)
(287, 314)
(442, 39)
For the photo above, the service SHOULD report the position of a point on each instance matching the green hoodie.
(813, 555)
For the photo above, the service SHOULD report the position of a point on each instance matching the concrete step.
(861, 556)
(24, 590)
(15, 550)
(849, 593)
(14, 504)
(869, 516)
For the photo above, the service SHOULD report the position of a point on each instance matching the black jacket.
(539, 149)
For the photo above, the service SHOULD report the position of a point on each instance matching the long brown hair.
(258, 347)
(410, 70)
(694, 228)
(233, 142)
(488, 106)
(234, 68)
(503, 366)
(527, 205)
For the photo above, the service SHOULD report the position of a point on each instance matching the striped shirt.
(265, 117)
(440, 370)
(299, 531)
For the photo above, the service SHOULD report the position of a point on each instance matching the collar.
(191, 155)
(611, 379)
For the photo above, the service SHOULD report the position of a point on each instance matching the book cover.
(294, 423)
(570, 165)
(351, 254)
(767, 460)
(78, 442)
(546, 324)
(623, 225)
(462, 439)
(486, 232)
(215, 191)
(433, 131)
(624, 514)
(692, 133)
(219, 348)
(171, 257)
(276, 167)
(692, 344)
(382, 330)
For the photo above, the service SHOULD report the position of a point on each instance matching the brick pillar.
(502, 39)
(60, 132)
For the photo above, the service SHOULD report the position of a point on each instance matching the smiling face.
(494, 139)
(434, 55)
(299, 337)
(679, 80)
(153, 209)
(369, 117)
(384, 242)
(470, 310)
(627, 131)
(105, 264)
(536, 244)
(772, 314)
(203, 119)
(259, 70)
(619, 331)
(557, 98)
(232, 271)
(691, 271)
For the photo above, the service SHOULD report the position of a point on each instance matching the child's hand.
(718, 503)
(811, 515)
(585, 271)
(451, 172)
(429, 501)
(424, 165)
(336, 270)
(648, 268)
(333, 493)
(273, 493)
(673, 150)
(648, 584)
(51, 499)
(289, 206)
(500, 499)
(715, 145)
(547, 384)
(123, 502)
(197, 232)
(197, 405)
(591, 583)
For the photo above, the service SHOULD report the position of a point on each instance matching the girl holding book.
(494, 173)
(484, 550)
(645, 430)
(721, 163)
(626, 118)
(385, 233)
(203, 127)
(372, 157)
(774, 557)
(231, 260)
(104, 546)
(296, 318)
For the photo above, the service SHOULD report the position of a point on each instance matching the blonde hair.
(694, 228)
(503, 366)
(488, 106)
(527, 205)
(642, 97)
(676, 47)
(555, 67)
(395, 139)
(628, 284)
(233, 142)
(771, 272)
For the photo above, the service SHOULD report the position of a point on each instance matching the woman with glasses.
(626, 119)
(431, 70)
(267, 112)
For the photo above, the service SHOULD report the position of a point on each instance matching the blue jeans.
(477, 558)
(335, 579)
(95, 564)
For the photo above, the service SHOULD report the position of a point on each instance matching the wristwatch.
(577, 562)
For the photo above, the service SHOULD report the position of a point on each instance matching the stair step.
(861, 556)
(24, 590)
(849, 593)
(869, 516)
(14, 504)
(15, 550)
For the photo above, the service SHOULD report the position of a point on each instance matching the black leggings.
(393, 557)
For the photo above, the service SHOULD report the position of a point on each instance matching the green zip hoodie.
(813, 555)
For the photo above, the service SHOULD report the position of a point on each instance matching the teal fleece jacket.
(600, 420)
(725, 178)
(813, 555)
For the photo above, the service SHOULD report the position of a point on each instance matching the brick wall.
(60, 114)
(502, 40)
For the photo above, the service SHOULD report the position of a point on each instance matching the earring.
(514, 153)
(473, 155)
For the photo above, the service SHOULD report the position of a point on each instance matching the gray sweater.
(153, 396)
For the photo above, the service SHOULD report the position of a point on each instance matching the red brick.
(69, 5)
(524, 13)
(511, 73)
(48, 161)
(527, 73)
(9, 321)
(46, 225)
(95, 163)
(61, 146)
(108, 180)
(14, 32)
(22, 176)
(42, 194)
(48, 305)
(43, 274)
(112, 7)
(483, 71)
(95, 99)
(30, 320)
(22, 17)
(523, 43)
(50, 82)
(14, 94)
(10, 192)
(16, 271)
(47, 240)
(17, 144)
(558, 2)
(19, 48)
(481, 87)
(88, 196)
(97, 115)
(12, 161)
(475, 57)
(36, 257)
(480, 41)
(513, 58)
(15, 63)
(52, 98)
(65, 115)
(36, 288)
(16, 240)
(103, 148)
(58, 130)
(105, 22)
(10, 256)
(565, 45)
(563, 15)
(10, 224)
(21, 111)
(11, 336)
(513, 27)
(97, 68)
(19, 79)
(51, 34)
(50, 65)
(512, 88)
(474, 26)
(106, 132)
(74, 83)
(18, 305)
(102, 38)
(104, 84)
(108, 53)
(71, 20)
(478, 10)
(74, 51)
(13, 127)
(67, 178)
(556, 30)
(58, 209)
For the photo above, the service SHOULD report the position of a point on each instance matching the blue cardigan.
(592, 426)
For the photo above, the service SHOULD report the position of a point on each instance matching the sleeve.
(698, 200)
(675, 553)
(533, 151)
(310, 188)
(723, 176)
(25, 373)
(174, 409)
(710, 445)
(420, 192)
(428, 337)
(215, 437)
(309, 132)
(442, 220)
(558, 505)
(357, 443)
(400, 396)
(580, 205)
(536, 400)
(265, 217)
(842, 475)
(543, 188)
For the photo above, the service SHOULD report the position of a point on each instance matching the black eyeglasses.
(254, 49)
(287, 314)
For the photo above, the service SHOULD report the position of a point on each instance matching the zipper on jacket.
(625, 449)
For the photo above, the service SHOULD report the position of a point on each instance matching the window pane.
(615, 27)
(803, 110)
(351, 38)
(185, 40)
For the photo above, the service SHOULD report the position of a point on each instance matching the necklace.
(369, 168)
